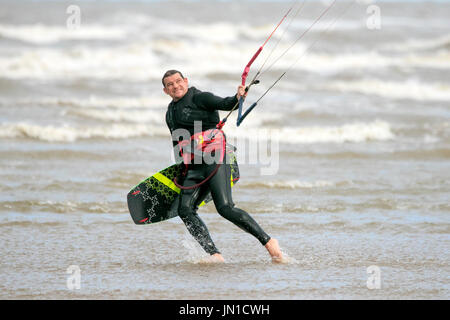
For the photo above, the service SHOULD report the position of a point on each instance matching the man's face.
(176, 86)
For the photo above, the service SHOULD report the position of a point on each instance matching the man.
(190, 105)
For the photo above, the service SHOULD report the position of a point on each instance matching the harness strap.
(205, 145)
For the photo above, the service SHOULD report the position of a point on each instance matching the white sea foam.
(139, 116)
(135, 25)
(286, 184)
(419, 44)
(139, 61)
(413, 23)
(327, 25)
(436, 60)
(125, 103)
(353, 132)
(70, 133)
(201, 50)
(129, 109)
(198, 45)
(229, 32)
(257, 119)
(46, 34)
(93, 102)
(412, 89)
(332, 63)
(195, 254)
(340, 62)
(128, 62)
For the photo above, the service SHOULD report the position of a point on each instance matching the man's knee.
(185, 212)
(186, 206)
(226, 211)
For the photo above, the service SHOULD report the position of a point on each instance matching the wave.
(134, 61)
(355, 132)
(141, 60)
(46, 34)
(59, 207)
(32, 213)
(141, 116)
(144, 102)
(376, 226)
(414, 23)
(438, 43)
(420, 154)
(131, 25)
(70, 134)
(371, 60)
(409, 90)
(123, 109)
(29, 223)
(286, 184)
(49, 34)
(50, 154)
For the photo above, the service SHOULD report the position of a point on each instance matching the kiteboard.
(155, 199)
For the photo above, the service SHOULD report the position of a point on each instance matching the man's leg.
(187, 213)
(220, 187)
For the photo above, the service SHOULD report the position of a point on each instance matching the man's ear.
(186, 81)
(166, 91)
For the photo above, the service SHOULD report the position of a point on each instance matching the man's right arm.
(211, 102)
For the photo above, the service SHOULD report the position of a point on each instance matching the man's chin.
(178, 96)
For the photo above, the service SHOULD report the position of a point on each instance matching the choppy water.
(360, 177)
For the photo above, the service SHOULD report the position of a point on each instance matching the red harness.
(208, 141)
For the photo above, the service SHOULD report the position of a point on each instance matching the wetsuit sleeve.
(210, 102)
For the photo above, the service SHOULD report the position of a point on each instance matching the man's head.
(175, 85)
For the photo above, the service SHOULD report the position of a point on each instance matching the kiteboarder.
(188, 107)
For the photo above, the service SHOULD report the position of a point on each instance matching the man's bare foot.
(215, 258)
(274, 250)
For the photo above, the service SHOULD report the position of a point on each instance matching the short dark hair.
(170, 73)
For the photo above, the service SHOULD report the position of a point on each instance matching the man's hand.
(241, 92)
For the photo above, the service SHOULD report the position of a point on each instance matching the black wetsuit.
(203, 106)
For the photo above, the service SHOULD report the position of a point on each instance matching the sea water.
(354, 184)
